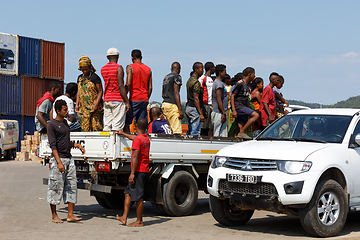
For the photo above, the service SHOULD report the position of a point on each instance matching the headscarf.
(86, 62)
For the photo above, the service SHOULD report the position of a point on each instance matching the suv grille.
(250, 164)
(260, 189)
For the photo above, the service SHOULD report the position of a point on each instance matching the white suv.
(306, 163)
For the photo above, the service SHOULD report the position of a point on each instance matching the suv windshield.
(312, 128)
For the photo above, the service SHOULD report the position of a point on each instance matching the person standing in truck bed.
(171, 105)
(116, 103)
(139, 171)
(89, 104)
(62, 172)
(139, 84)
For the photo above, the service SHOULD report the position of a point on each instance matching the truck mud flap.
(87, 186)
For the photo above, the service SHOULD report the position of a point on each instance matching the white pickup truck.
(178, 168)
(9, 135)
(306, 163)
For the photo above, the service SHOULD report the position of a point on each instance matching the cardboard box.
(28, 137)
(17, 156)
(34, 140)
(34, 147)
(28, 148)
(23, 148)
(23, 143)
(24, 156)
(27, 142)
(36, 133)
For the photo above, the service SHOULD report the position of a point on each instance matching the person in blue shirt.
(158, 124)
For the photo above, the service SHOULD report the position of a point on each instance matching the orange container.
(33, 90)
(52, 60)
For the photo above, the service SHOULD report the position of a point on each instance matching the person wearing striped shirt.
(116, 103)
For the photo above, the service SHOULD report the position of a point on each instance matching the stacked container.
(25, 77)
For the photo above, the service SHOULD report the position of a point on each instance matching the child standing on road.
(139, 170)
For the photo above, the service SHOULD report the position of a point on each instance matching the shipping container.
(21, 128)
(28, 125)
(9, 48)
(33, 90)
(52, 60)
(10, 95)
(29, 56)
(61, 83)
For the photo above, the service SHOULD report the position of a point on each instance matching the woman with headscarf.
(89, 104)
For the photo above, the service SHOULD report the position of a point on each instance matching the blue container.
(21, 128)
(10, 95)
(29, 125)
(29, 56)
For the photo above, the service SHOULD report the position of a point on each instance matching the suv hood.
(277, 150)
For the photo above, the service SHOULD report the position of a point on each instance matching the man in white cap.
(116, 103)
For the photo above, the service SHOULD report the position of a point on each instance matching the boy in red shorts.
(139, 170)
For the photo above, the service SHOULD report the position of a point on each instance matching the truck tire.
(159, 208)
(101, 201)
(9, 154)
(325, 215)
(226, 214)
(115, 200)
(180, 194)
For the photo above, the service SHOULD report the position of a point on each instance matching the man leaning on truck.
(62, 172)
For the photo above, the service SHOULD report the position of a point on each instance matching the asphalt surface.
(25, 214)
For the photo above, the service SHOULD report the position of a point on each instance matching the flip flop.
(244, 136)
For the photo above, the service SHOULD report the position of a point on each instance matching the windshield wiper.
(309, 140)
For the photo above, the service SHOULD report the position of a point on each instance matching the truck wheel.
(325, 215)
(159, 208)
(101, 201)
(115, 200)
(227, 214)
(180, 194)
(8, 154)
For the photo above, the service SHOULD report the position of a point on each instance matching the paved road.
(24, 214)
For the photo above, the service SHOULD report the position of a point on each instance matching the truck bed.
(108, 146)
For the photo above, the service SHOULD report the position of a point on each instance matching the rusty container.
(52, 60)
(33, 90)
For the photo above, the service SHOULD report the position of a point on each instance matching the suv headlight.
(218, 161)
(293, 167)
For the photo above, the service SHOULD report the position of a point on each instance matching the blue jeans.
(138, 110)
(193, 121)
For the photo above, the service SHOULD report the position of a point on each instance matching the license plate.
(241, 178)
(82, 168)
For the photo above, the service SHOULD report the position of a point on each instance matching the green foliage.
(352, 102)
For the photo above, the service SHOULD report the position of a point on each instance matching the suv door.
(354, 152)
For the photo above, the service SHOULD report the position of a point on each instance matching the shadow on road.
(291, 226)
(88, 212)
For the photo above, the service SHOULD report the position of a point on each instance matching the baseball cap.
(112, 52)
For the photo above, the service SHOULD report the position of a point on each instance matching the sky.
(313, 44)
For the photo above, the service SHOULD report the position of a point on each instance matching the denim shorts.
(138, 110)
(243, 114)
